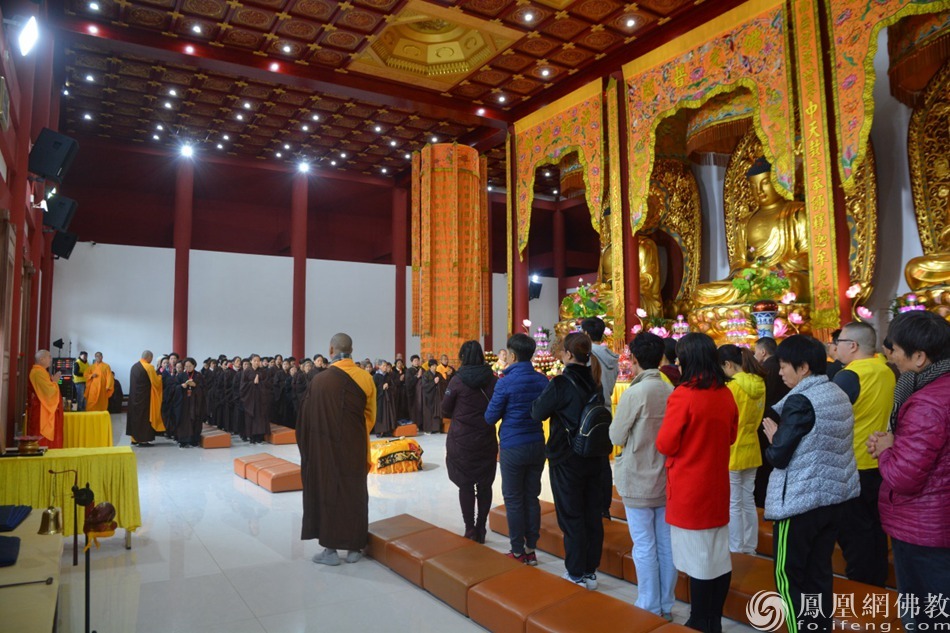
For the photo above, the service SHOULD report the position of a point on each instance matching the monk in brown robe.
(193, 411)
(144, 416)
(333, 438)
(45, 403)
(256, 394)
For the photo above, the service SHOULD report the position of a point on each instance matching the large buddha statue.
(649, 258)
(775, 233)
(928, 271)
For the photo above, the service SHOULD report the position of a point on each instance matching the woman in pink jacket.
(914, 459)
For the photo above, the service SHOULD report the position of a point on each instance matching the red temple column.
(298, 250)
(400, 258)
(184, 203)
(631, 250)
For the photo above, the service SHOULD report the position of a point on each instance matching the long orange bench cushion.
(215, 439)
(449, 576)
(281, 435)
(254, 467)
(406, 555)
(280, 478)
(385, 530)
(503, 604)
(617, 544)
(682, 580)
(552, 538)
(592, 612)
(406, 430)
(498, 517)
(241, 463)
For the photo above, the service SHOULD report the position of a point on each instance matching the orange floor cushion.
(406, 555)
(215, 439)
(449, 576)
(856, 619)
(552, 539)
(594, 612)
(617, 544)
(385, 530)
(498, 518)
(281, 435)
(241, 463)
(280, 478)
(406, 430)
(750, 575)
(503, 604)
(254, 467)
(682, 580)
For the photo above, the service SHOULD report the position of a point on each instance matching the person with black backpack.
(578, 446)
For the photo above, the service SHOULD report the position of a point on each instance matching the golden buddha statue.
(776, 233)
(649, 258)
(928, 271)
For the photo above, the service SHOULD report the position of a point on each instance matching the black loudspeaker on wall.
(63, 244)
(52, 154)
(534, 290)
(60, 212)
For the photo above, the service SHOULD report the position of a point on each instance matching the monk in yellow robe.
(100, 384)
(45, 403)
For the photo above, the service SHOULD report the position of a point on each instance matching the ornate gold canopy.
(927, 143)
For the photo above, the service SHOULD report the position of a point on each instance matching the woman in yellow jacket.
(748, 388)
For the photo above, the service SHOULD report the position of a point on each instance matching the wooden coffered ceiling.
(353, 85)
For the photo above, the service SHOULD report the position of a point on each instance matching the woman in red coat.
(700, 425)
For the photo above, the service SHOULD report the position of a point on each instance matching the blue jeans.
(653, 559)
(922, 571)
(521, 468)
(80, 396)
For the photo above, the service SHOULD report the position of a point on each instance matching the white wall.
(116, 300)
(543, 312)
(715, 258)
(239, 304)
(499, 313)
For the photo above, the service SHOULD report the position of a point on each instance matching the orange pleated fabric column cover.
(450, 248)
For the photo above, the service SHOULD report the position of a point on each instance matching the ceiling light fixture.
(247, 105)
(315, 117)
(90, 78)
(385, 170)
(303, 167)
(555, 192)
(240, 117)
(159, 127)
(393, 143)
(190, 49)
(547, 174)
(545, 72)
(168, 105)
(287, 146)
(274, 67)
(342, 154)
(489, 187)
(156, 137)
(196, 28)
(279, 155)
(173, 93)
(378, 129)
(287, 48)
(29, 36)
(220, 146)
(631, 23)
(93, 29)
(502, 98)
(65, 92)
(93, 6)
(226, 137)
(87, 116)
(305, 128)
(187, 150)
(333, 163)
(529, 17)
(480, 112)
(435, 139)
(408, 156)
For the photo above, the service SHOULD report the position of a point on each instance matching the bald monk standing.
(333, 437)
(45, 402)
(100, 384)
(144, 417)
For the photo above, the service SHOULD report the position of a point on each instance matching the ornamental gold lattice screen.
(450, 268)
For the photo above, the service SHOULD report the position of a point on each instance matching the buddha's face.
(764, 191)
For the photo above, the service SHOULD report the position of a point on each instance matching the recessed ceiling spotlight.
(279, 155)
(172, 93)
(333, 163)
(87, 116)
(287, 48)
(187, 150)
(555, 192)
(303, 167)
(393, 143)
(378, 129)
(342, 154)
(547, 174)
(247, 105)
(240, 117)
(489, 187)
(156, 137)
(190, 49)
(631, 22)
(220, 146)
(315, 117)
(93, 6)
(287, 146)
(90, 78)
(435, 139)
(168, 105)
(545, 72)
(196, 28)
(305, 128)
(274, 67)
(502, 98)
(529, 17)
(480, 112)
(384, 170)
(93, 29)
(65, 92)
(159, 127)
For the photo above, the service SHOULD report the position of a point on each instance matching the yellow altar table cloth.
(31, 607)
(87, 429)
(619, 388)
(111, 472)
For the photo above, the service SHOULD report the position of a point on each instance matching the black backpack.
(591, 437)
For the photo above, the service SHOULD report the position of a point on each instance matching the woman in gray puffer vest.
(815, 473)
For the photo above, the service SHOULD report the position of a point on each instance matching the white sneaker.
(327, 557)
(588, 582)
(353, 556)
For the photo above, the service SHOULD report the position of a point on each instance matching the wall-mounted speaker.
(60, 212)
(534, 290)
(63, 244)
(52, 154)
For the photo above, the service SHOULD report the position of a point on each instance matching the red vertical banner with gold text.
(819, 197)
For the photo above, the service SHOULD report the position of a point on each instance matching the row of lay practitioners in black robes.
(412, 393)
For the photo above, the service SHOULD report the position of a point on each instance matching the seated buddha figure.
(776, 234)
(929, 271)
(648, 255)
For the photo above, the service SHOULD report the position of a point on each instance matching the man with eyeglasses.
(831, 348)
(869, 384)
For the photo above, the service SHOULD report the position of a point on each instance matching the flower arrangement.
(583, 303)
(759, 282)
(907, 303)
(738, 329)
(680, 327)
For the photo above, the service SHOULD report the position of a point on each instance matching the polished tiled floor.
(218, 554)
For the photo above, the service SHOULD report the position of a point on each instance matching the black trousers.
(475, 501)
(706, 601)
(861, 536)
(578, 499)
(803, 546)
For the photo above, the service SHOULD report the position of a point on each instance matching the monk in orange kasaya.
(45, 417)
(100, 383)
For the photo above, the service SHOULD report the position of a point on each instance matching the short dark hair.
(648, 349)
(921, 331)
(414, 357)
(471, 353)
(834, 335)
(700, 362)
(741, 357)
(523, 346)
(433, 362)
(594, 327)
(191, 360)
(768, 344)
(800, 350)
(669, 350)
